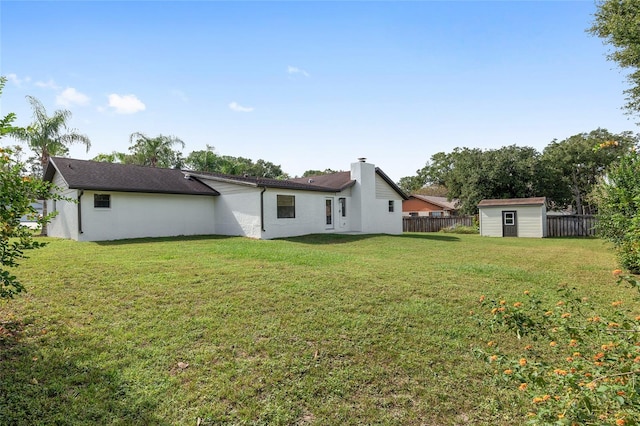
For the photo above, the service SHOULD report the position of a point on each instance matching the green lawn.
(310, 330)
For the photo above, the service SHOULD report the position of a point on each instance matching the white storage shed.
(513, 217)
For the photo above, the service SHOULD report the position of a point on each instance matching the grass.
(323, 329)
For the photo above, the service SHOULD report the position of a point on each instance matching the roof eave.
(213, 192)
(200, 176)
(50, 171)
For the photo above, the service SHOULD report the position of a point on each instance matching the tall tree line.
(565, 172)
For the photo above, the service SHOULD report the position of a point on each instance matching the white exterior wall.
(371, 196)
(65, 224)
(310, 214)
(237, 210)
(531, 220)
(138, 215)
(491, 221)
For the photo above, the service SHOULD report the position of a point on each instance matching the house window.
(436, 214)
(55, 206)
(286, 206)
(101, 201)
(390, 206)
(343, 206)
(413, 214)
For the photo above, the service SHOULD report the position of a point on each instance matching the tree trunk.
(44, 161)
(576, 194)
(43, 231)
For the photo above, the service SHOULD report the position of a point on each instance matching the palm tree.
(155, 151)
(47, 136)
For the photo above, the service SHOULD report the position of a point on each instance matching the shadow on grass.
(434, 236)
(163, 239)
(57, 384)
(328, 238)
(332, 238)
(349, 238)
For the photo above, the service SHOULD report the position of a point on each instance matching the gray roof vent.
(362, 159)
(310, 180)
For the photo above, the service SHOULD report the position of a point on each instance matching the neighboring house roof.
(534, 201)
(438, 201)
(101, 176)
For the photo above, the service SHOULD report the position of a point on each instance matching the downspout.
(264, 188)
(80, 193)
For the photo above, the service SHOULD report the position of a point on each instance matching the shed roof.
(101, 176)
(533, 201)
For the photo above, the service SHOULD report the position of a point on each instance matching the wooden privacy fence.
(433, 224)
(571, 226)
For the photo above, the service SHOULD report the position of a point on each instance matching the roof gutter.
(80, 194)
(264, 189)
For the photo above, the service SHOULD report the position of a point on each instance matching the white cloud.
(71, 96)
(296, 70)
(234, 106)
(126, 104)
(47, 84)
(13, 78)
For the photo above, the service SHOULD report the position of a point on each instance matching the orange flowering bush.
(582, 368)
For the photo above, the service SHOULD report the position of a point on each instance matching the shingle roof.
(339, 180)
(101, 176)
(534, 201)
(335, 182)
(438, 201)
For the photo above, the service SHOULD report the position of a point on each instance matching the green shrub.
(460, 229)
(17, 193)
(618, 199)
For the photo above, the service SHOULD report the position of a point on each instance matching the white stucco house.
(118, 201)
(513, 217)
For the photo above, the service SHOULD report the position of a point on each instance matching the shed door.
(509, 224)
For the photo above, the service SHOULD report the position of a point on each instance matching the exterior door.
(342, 212)
(509, 224)
(329, 212)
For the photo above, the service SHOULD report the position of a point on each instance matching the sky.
(314, 85)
